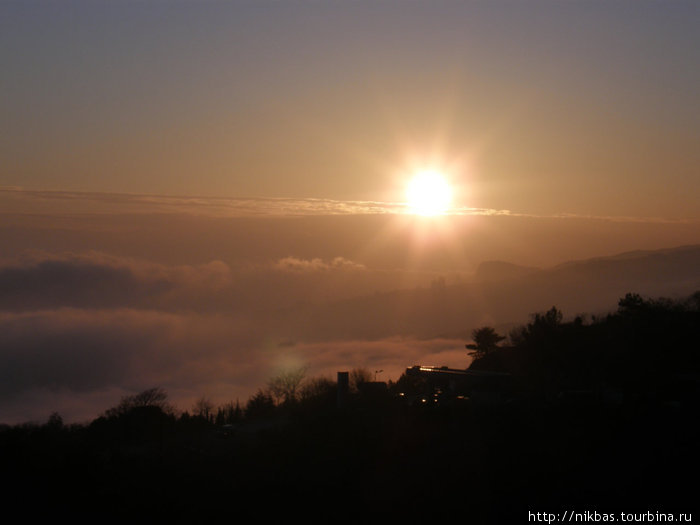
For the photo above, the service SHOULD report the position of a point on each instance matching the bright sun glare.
(428, 193)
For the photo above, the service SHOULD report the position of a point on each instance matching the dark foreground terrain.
(478, 465)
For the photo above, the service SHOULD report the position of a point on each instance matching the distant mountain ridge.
(499, 270)
(669, 266)
(679, 251)
(504, 294)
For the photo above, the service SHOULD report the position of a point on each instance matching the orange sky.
(534, 107)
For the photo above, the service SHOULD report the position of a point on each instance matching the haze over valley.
(95, 304)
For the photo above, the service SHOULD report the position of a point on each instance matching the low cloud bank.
(99, 280)
(92, 326)
(78, 331)
(80, 362)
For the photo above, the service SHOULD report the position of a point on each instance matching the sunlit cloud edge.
(21, 200)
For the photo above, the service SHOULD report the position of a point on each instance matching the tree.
(143, 418)
(155, 398)
(485, 341)
(631, 303)
(544, 327)
(229, 413)
(204, 408)
(318, 393)
(551, 318)
(260, 405)
(55, 421)
(284, 386)
(358, 376)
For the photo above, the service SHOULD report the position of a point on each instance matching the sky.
(198, 195)
(537, 107)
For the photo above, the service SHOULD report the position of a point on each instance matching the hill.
(500, 294)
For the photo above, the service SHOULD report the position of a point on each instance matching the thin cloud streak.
(21, 200)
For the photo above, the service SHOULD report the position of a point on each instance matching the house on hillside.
(431, 384)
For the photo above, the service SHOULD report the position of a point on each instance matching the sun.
(428, 193)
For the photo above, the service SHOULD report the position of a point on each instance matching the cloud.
(24, 200)
(94, 279)
(213, 296)
(87, 351)
(58, 359)
(87, 326)
(17, 199)
(41, 280)
(69, 334)
(294, 264)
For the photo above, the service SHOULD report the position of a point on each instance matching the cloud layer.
(105, 295)
(75, 327)
(16, 199)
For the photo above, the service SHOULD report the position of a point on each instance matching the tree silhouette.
(260, 405)
(55, 421)
(550, 319)
(152, 398)
(204, 408)
(229, 413)
(284, 386)
(485, 340)
(631, 303)
(541, 330)
(358, 376)
(316, 388)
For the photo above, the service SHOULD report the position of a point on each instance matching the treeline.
(647, 348)
(147, 422)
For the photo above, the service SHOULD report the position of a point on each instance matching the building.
(431, 384)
